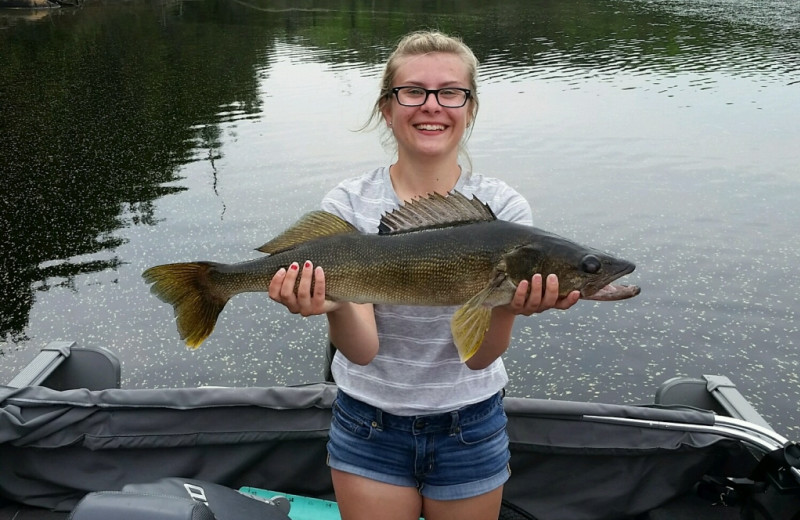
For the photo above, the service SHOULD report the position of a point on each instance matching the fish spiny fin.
(435, 211)
(316, 224)
(190, 289)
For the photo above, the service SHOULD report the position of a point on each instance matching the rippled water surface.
(664, 131)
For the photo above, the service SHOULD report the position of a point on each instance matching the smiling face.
(429, 130)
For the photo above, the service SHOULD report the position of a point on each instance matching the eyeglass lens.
(446, 97)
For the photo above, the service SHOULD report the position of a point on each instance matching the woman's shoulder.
(505, 201)
(360, 200)
(370, 182)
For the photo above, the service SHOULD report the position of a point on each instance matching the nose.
(431, 103)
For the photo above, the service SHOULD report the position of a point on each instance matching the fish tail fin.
(196, 298)
(469, 326)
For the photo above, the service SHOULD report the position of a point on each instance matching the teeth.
(429, 127)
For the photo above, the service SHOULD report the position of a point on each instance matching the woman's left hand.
(531, 299)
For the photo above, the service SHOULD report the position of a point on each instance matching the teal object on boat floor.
(302, 508)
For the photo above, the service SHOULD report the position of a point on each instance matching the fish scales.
(422, 268)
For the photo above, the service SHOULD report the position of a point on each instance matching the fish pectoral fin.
(471, 321)
(469, 325)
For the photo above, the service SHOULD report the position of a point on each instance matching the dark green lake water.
(137, 133)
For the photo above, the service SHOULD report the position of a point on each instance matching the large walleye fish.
(432, 251)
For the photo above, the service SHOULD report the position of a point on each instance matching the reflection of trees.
(99, 106)
(98, 110)
(648, 36)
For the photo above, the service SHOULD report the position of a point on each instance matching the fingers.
(302, 291)
(550, 293)
(538, 296)
(318, 298)
(275, 285)
(311, 290)
(304, 288)
(520, 296)
(287, 294)
(568, 301)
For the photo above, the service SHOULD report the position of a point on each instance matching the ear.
(472, 114)
(386, 111)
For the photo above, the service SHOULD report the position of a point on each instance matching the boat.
(72, 442)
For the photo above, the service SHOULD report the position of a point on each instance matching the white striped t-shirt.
(416, 370)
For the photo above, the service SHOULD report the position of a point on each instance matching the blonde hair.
(420, 43)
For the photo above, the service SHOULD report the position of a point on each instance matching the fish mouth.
(611, 292)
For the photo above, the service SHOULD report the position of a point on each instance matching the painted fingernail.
(293, 267)
(307, 265)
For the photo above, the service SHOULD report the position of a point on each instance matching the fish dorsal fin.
(435, 211)
(316, 224)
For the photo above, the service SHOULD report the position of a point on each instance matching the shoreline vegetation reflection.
(67, 191)
(103, 105)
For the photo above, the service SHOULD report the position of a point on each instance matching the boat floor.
(685, 508)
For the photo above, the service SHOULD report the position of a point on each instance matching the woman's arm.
(351, 326)
(525, 302)
(353, 331)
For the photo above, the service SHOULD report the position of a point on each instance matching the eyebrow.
(441, 85)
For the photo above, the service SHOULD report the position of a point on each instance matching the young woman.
(415, 431)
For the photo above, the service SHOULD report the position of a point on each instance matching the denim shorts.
(447, 456)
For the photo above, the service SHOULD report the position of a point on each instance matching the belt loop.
(454, 419)
(379, 417)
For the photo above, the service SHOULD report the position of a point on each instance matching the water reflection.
(143, 133)
(101, 109)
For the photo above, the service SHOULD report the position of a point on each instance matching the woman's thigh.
(361, 498)
(481, 507)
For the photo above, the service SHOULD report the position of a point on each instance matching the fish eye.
(591, 264)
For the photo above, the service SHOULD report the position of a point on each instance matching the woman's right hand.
(305, 301)
(351, 327)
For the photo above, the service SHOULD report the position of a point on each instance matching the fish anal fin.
(316, 224)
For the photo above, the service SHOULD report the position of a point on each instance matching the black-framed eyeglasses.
(448, 97)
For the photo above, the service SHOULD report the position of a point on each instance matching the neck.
(412, 180)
